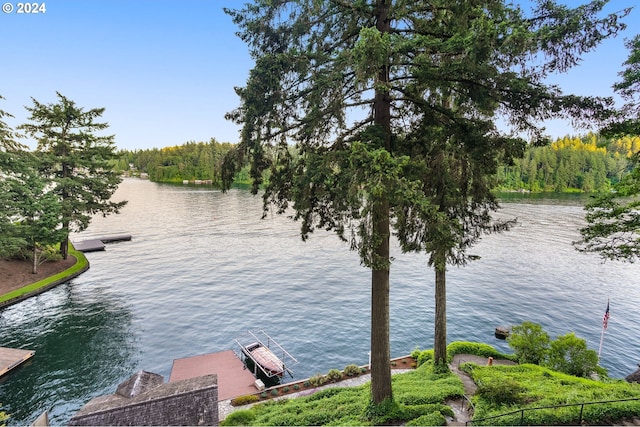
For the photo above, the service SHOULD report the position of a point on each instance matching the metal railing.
(522, 411)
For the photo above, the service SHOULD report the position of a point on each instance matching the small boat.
(264, 356)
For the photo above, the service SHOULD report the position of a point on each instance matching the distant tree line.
(190, 161)
(590, 163)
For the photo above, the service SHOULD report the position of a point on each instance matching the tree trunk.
(34, 267)
(380, 345)
(64, 244)
(440, 335)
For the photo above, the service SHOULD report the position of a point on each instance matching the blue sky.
(165, 70)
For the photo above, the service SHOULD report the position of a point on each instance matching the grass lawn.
(419, 398)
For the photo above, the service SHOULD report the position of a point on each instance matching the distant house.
(144, 399)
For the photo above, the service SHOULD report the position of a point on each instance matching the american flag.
(605, 319)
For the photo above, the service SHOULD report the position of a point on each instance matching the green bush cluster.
(423, 356)
(317, 380)
(352, 370)
(475, 348)
(334, 375)
(567, 353)
(244, 400)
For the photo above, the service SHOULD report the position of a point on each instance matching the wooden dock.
(11, 358)
(233, 378)
(98, 244)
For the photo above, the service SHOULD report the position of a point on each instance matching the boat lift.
(266, 354)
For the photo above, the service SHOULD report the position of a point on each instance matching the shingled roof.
(144, 399)
(139, 383)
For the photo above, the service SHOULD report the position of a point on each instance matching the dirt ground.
(15, 274)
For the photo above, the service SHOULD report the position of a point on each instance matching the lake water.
(203, 268)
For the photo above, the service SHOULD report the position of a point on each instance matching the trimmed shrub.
(424, 356)
(475, 348)
(352, 370)
(244, 400)
(334, 375)
(317, 380)
(274, 392)
(296, 387)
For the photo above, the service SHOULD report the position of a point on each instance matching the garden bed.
(310, 385)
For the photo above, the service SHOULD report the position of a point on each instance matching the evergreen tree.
(11, 154)
(76, 160)
(628, 118)
(391, 106)
(39, 211)
(613, 229)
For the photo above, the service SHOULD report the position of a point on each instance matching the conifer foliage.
(75, 159)
(613, 229)
(378, 116)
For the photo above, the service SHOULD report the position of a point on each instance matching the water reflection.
(203, 267)
(78, 334)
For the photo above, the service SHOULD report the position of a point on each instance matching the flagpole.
(605, 322)
(601, 340)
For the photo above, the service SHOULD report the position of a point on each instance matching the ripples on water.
(202, 268)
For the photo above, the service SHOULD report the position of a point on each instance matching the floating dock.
(234, 379)
(98, 244)
(11, 358)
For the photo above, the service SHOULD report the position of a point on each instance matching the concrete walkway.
(461, 406)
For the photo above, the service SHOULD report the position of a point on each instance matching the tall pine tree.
(613, 229)
(380, 96)
(76, 160)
